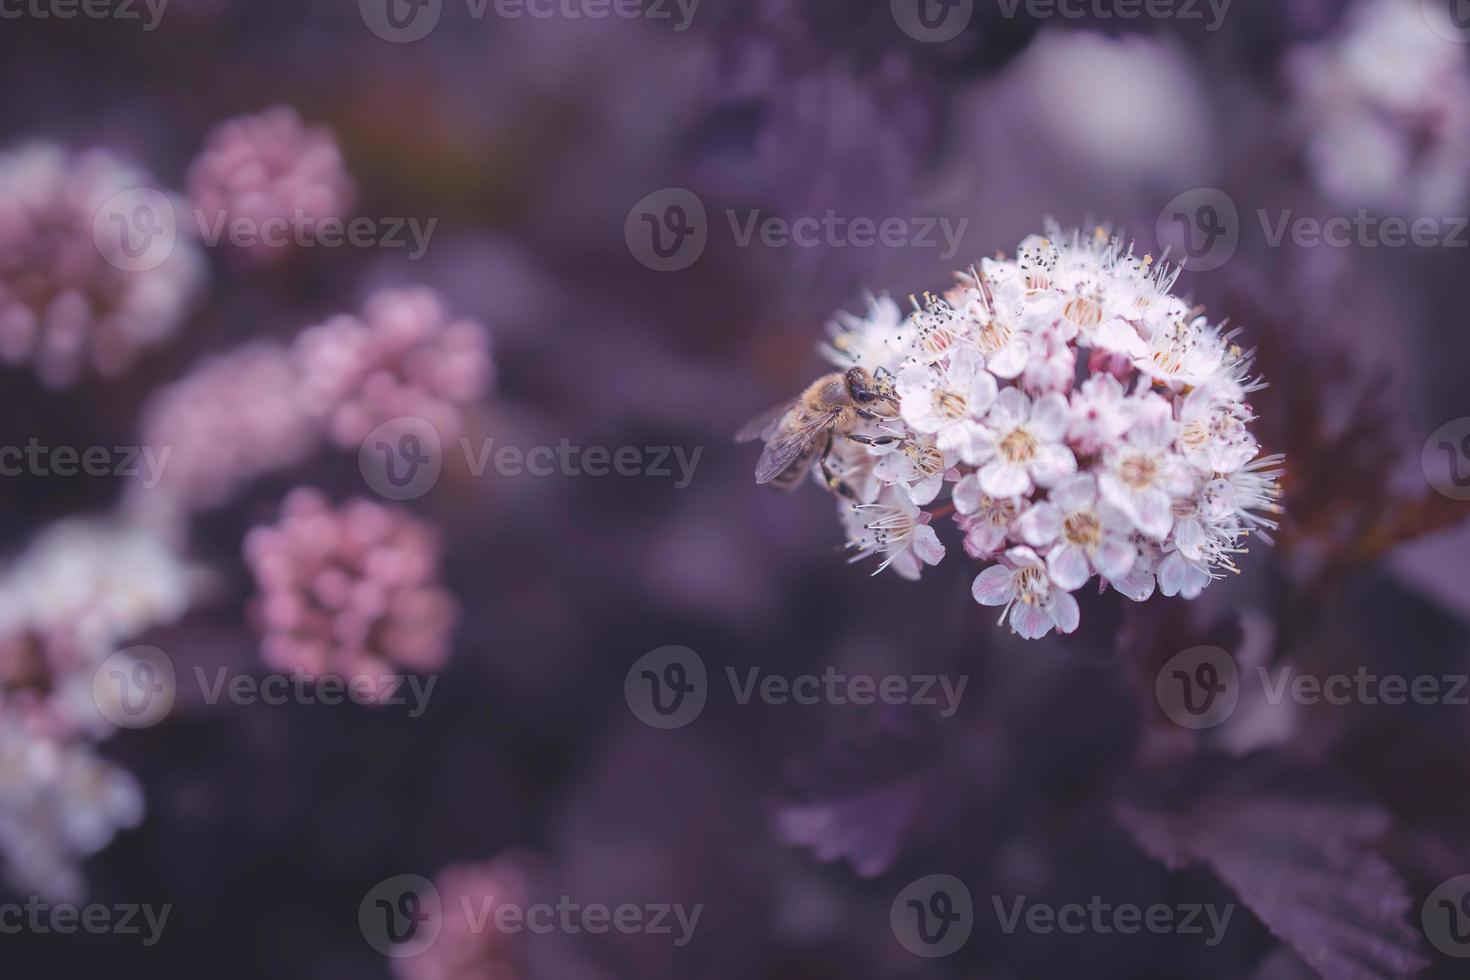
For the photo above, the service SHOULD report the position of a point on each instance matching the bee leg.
(834, 483)
(872, 416)
(873, 440)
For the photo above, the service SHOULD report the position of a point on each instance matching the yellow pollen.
(1138, 471)
(1018, 447)
(1082, 529)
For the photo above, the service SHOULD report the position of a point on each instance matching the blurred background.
(240, 240)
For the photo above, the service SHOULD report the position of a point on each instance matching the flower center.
(928, 460)
(1018, 447)
(1084, 311)
(1138, 471)
(995, 335)
(1031, 585)
(949, 404)
(1082, 528)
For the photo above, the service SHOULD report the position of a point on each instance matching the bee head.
(860, 385)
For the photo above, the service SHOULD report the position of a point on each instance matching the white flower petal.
(1067, 565)
(1041, 524)
(995, 586)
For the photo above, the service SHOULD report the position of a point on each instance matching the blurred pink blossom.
(232, 419)
(404, 356)
(91, 268)
(264, 168)
(1384, 106)
(352, 591)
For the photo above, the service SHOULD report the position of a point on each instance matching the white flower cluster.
(1087, 421)
(83, 588)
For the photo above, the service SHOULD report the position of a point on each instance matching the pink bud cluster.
(268, 167)
(351, 591)
(404, 356)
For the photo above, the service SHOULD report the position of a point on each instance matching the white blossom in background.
(79, 593)
(1384, 107)
(1086, 422)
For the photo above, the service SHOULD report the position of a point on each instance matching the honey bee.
(800, 432)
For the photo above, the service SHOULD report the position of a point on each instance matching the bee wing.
(789, 444)
(764, 425)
